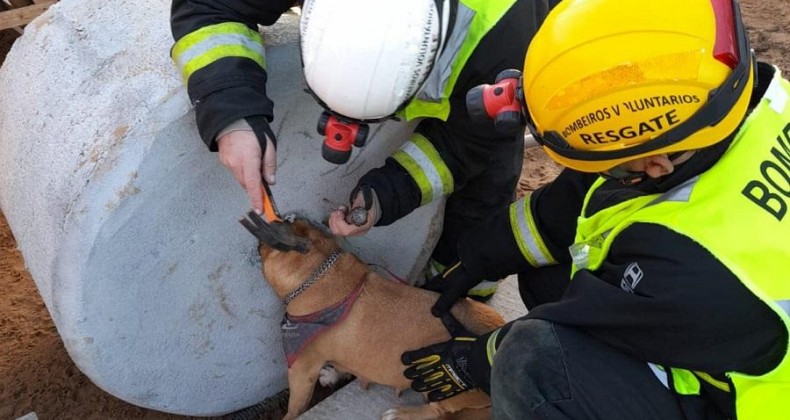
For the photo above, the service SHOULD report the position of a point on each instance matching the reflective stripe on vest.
(525, 231)
(660, 373)
(738, 211)
(685, 382)
(424, 164)
(206, 45)
(724, 386)
(474, 19)
(587, 251)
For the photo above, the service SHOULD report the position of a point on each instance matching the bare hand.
(240, 152)
(342, 227)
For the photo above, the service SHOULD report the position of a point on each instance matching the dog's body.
(386, 319)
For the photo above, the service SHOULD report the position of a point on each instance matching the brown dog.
(379, 318)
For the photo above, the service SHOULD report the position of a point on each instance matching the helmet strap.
(623, 176)
(626, 177)
(448, 10)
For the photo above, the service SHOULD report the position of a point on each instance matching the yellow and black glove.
(441, 370)
(452, 367)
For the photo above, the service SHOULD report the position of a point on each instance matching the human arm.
(240, 152)
(220, 55)
(688, 310)
(446, 152)
(532, 232)
(437, 160)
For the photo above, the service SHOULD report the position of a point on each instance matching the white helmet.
(364, 59)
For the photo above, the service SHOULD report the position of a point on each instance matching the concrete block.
(129, 225)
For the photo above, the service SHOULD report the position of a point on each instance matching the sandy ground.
(37, 375)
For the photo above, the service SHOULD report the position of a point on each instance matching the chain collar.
(313, 279)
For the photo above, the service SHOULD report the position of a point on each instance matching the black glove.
(441, 370)
(260, 126)
(359, 215)
(453, 284)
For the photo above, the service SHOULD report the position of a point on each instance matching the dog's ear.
(278, 235)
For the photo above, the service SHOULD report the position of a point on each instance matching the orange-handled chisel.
(270, 213)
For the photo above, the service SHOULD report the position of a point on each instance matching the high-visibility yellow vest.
(739, 211)
(474, 19)
(419, 156)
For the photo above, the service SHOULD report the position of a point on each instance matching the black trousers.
(544, 370)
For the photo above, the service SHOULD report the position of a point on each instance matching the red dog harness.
(299, 331)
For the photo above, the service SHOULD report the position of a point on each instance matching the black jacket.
(692, 312)
(233, 88)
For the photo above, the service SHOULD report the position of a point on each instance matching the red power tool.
(503, 102)
(339, 135)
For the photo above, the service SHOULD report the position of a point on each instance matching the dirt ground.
(36, 374)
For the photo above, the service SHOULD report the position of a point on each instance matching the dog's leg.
(473, 403)
(416, 412)
(470, 414)
(364, 384)
(470, 399)
(301, 381)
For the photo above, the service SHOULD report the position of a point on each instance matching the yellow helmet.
(608, 81)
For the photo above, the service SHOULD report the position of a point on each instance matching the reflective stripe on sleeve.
(424, 164)
(526, 234)
(724, 386)
(491, 347)
(211, 43)
(484, 289)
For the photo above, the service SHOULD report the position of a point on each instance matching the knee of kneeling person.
(529, 366)
(526, 346)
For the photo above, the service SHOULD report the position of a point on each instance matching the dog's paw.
(392, 414)
(328, 376)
